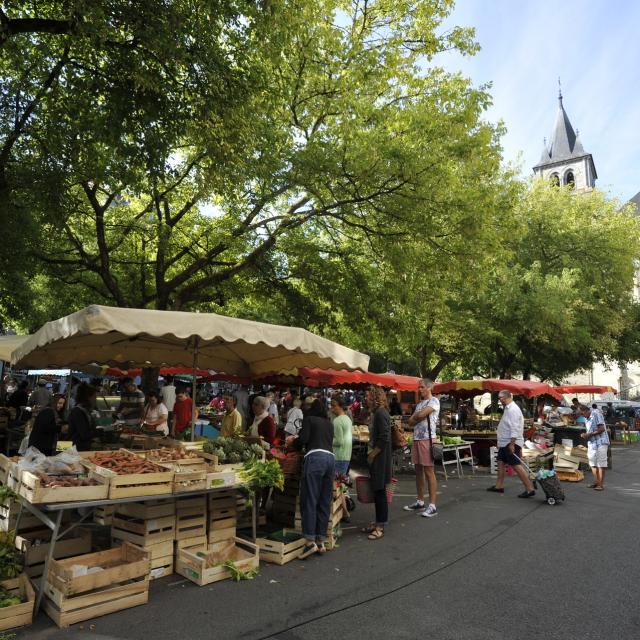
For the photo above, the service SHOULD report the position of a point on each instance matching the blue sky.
(592, 45)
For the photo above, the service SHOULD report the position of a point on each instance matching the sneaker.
(416, 506)
(430, 511)
(527, 494)
(309, 550)
(321, 548)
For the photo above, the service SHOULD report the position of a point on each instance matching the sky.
(592, 45)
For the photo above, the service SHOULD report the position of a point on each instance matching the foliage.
(11, 560)
(259, 475)
(238, 574)
(7, 494)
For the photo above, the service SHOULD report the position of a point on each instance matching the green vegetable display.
(262, 475)
(451, 439)
(233, 450)
(6, 494)
(10, 558)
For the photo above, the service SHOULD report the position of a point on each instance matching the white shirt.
(294, 421)
(421, 429)
(168, 395)
(511, 425)
(159, 412)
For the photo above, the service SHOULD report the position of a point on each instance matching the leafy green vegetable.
(7, 494)
(238, 574)
(258, 475)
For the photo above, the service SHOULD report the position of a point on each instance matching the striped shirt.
(596, 419)
(134, 402)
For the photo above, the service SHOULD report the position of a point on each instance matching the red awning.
(584, 388)
(470, 388)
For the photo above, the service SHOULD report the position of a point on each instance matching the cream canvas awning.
(144, 337)
(8, 344)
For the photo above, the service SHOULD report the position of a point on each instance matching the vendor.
(232, 421)
(294, 418)
(131, 406)
(182, 411)
(263, 425)
(553, 414)
(48, 426)
(156, 414)
(394, 406)
(80, 420)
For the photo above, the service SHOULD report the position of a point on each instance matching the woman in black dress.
(379, 459)
(80, 421)
(47, 426)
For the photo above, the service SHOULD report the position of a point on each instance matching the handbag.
(437, 450)
(398, 436)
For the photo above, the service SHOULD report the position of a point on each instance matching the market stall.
(181, 511)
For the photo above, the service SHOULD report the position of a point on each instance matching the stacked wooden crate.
(286, 504)
(92, 585)
(222, 516)
(151, 526)
(17, 615)
(334, 530)
(191, 522)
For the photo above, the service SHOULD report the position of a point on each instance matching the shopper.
(273, 408)
(597, 445)
(131, 406)
(379, 459)
(242, 403)
(424, 421)
(156, 414)
(182, 412)
(318, 471)
(47, 426)
(40, 396)
(168, 397)
(80, 419)
(263, 425)
(232, 421)
(510, 442)
(20, 397)
(394, 407)
(342, 444)
(294, 418)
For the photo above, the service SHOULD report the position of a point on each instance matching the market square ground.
(488, 567)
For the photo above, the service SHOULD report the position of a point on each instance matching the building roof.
(635, 201)
(565, 143)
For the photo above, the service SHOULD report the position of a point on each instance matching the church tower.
(564, 161)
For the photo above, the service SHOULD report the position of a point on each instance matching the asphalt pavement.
(488, 567)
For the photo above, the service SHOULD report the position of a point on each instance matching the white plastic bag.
(33, 460)
(65, 463)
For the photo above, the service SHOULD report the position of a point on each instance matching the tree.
(564, 299)
(179, 153)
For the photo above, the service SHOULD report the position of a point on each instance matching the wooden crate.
(104, 515)
(9, 516)
(161, 567)
(35, 546)
(143, 532)
(192, 477)
(152, 455)
(218, 535)
(123, 583)
(19, 615)
(182, 504)
(6, 465)
(189, 564)
(280, 552)
(32, 490)
(160, 555)
(570, 476)
(217, 479)
(149, 509)
(135, 485)
(188, 543)
(191, 523)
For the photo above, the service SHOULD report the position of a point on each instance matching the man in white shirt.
(168, 397)
(424, 421)
(510, 442)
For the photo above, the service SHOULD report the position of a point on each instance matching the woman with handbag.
(379, 459)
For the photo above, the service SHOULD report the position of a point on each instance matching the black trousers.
(382, 507)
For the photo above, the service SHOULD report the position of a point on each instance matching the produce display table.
(569, 433)
(52, 516)
(482, 442)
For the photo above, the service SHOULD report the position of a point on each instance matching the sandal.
(592, 486)
(376, 534)
(370, 528)
(598, 488)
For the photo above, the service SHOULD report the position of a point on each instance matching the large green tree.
(179, 154)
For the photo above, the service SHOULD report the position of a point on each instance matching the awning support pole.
(194, 409)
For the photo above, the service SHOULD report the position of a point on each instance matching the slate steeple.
(564, 160)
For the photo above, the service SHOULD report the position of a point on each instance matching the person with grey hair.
(510, 442)
(597, 444)
(263, 425)
(424, 421)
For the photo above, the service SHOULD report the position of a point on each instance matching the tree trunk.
(150, 379)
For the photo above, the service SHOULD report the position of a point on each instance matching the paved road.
(487, 567)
